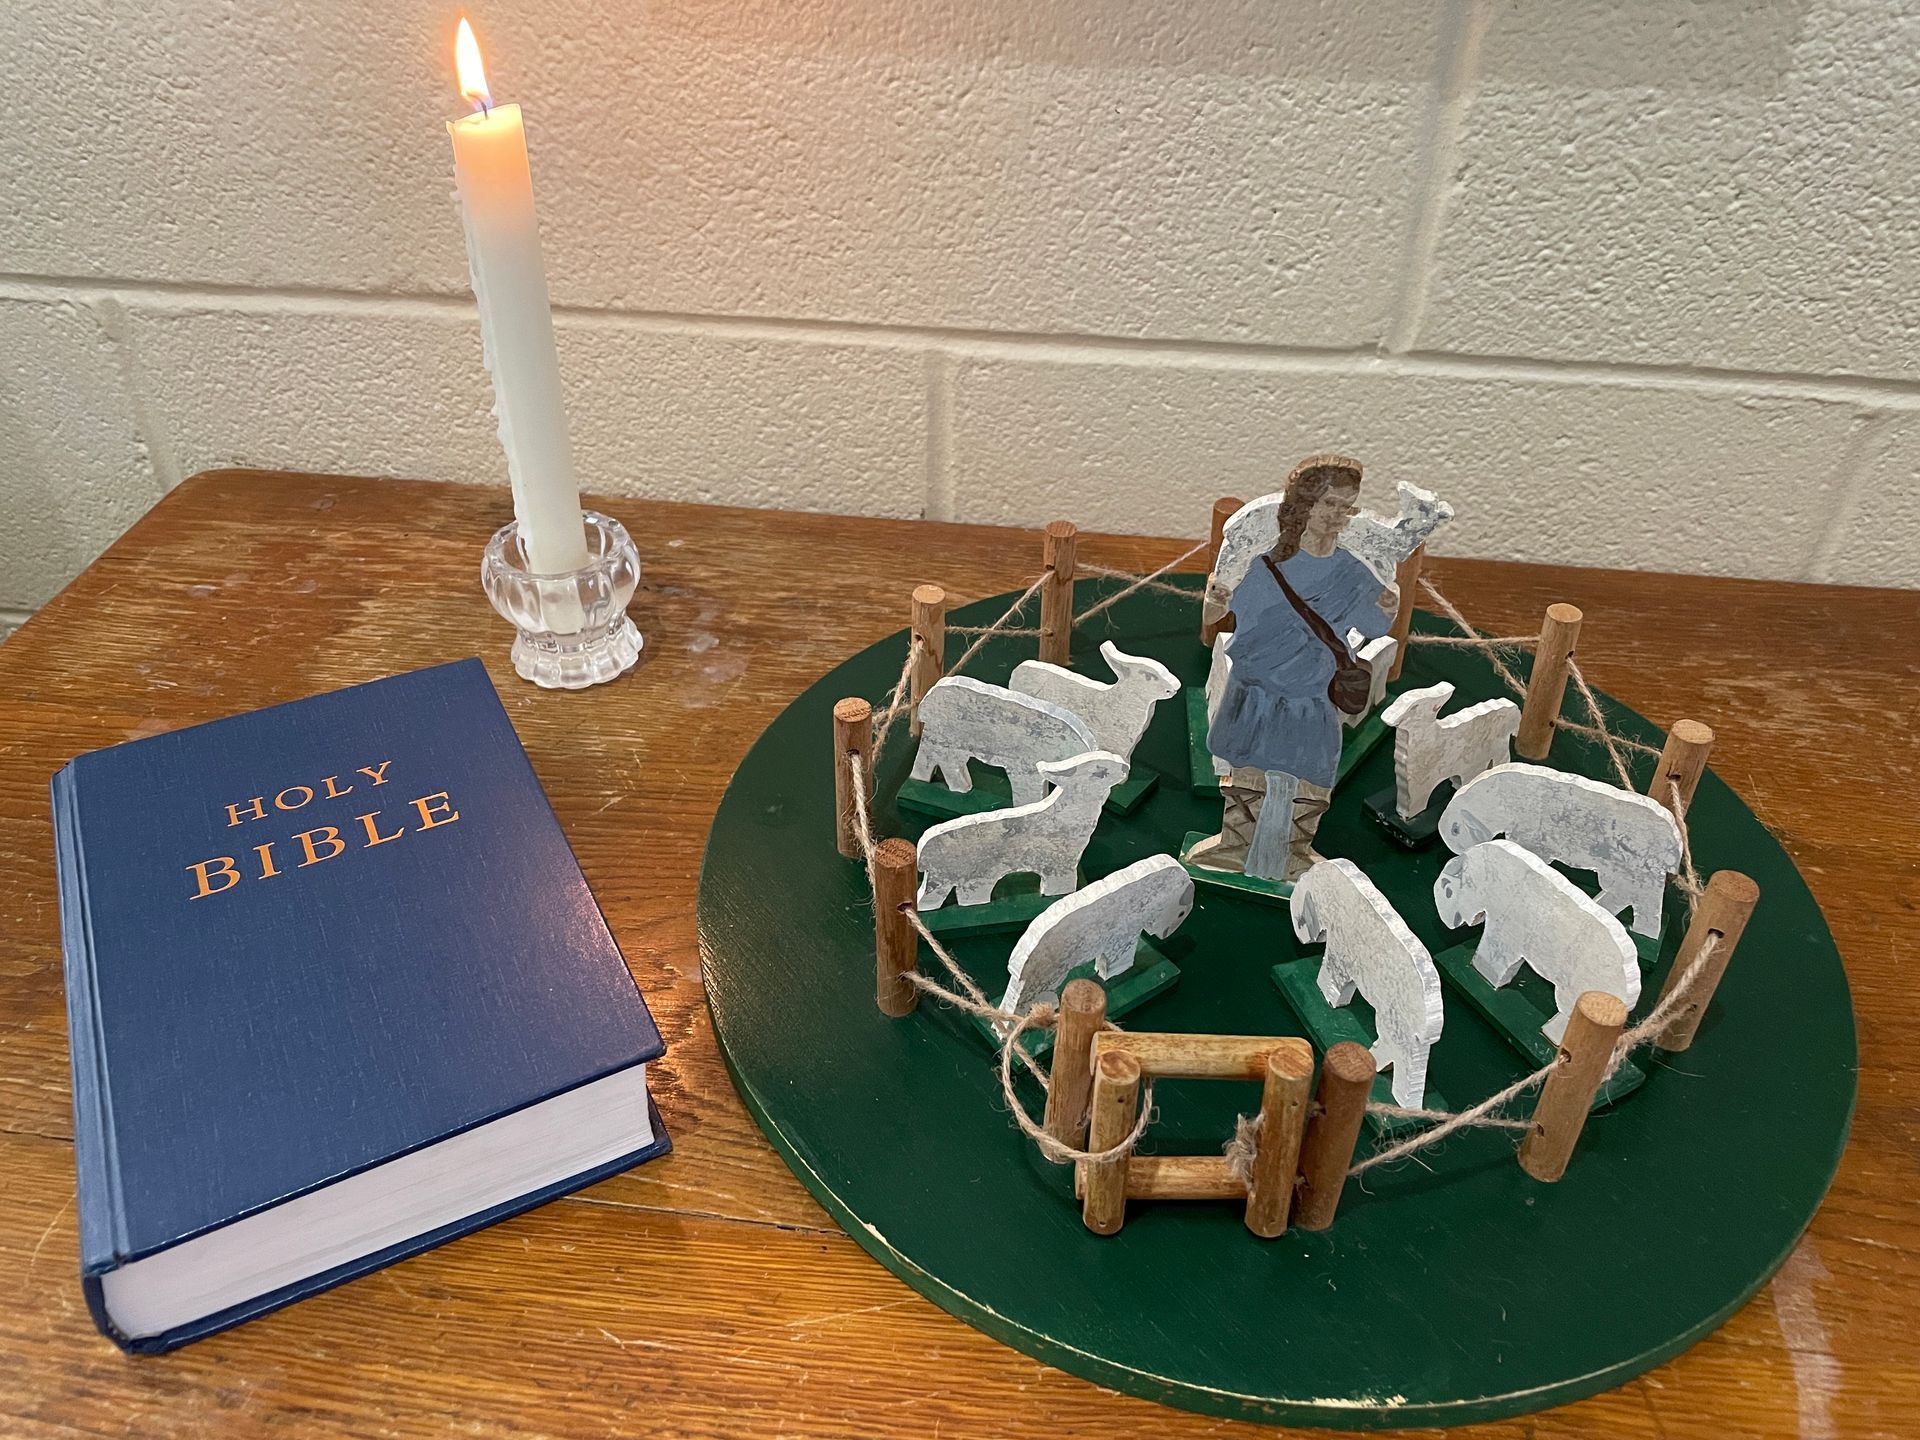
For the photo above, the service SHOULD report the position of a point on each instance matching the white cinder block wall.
(1634, 283)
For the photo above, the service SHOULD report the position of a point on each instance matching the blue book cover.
(306, 947)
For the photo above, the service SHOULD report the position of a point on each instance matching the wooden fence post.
(1407, 580)
(1083, 1013)
(1276, 1145)
(1547, 687)
(1056, 596)
(852, 735)
(1586, 1050)
(1683, 760)
(896, 944)
(1224, 510)
(1722, 914)
(930, 631)
(1346, 1080)
(1116, 1106)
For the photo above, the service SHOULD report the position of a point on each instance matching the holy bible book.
(336, 992)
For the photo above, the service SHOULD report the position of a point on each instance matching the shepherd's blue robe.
(1274, 712)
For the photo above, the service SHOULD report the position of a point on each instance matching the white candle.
(516, 319)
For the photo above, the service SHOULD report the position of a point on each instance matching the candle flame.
(473, 74)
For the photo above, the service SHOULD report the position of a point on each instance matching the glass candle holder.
(572, 627)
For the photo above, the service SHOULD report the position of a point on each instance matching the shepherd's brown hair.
(1311, 479)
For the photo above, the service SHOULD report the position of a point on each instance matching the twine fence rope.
(1492, 645)
(969, 997)
(1592, 702)
(1469, 634)
(1690, 885)
(1150, 581)
(984, 633)
(898, 702)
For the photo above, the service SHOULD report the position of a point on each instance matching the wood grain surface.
(707, 1294)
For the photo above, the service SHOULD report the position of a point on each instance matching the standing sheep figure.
(1117, 713)
(1102, 924)
(1428, 750)
(964, 719)
(1630, 841)
(1370, 948)
(1538, 917)
(1383, 544)
(973, 853)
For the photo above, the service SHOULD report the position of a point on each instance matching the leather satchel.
(1351, 688)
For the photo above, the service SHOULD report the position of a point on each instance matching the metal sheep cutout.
(1631, 842)
(1100, 924)
(973, 853)
(1370, 948)
(964, 719)
(1537, 917)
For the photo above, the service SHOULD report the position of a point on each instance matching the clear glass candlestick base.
(573, 629)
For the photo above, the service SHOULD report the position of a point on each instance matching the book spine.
(101, 1215)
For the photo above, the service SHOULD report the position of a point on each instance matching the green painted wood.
(1415, 834)
(1151, 975)
(1201, 778)
(1250, 887)
(1443, 1293)
(1649, 947)
(1518, 1010)
(1127, 798)
(1327, 1026)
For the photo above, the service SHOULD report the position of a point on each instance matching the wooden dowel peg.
(1183, 1177)
(1116, 1106)
(1276, 1142)
(1083, 1011)
(1683, 760)
(1191, 1057)
(1224, 509)
(896, 944)
(930, 630)
(1722, 914)
(1056, 596)
(1547, 687)
(1406, 580)
(1585, 1051)
(1346, 1080)
(852, 735)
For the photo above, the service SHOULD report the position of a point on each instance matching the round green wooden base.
(1450, 1289)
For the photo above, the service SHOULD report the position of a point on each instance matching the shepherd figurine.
(1292, 676)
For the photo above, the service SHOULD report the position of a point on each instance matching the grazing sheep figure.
(973, 853)
(964, 719)
(1538, 917)
(1370, 948)
(1102, 924)
(1117, 713)
(1428, 750)
(1630, 841)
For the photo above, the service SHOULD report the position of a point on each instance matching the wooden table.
(707, 1294)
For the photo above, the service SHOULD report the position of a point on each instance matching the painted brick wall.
(1633, 283)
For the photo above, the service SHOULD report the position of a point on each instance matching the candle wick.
(486, 110)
